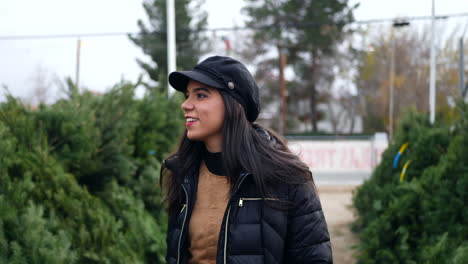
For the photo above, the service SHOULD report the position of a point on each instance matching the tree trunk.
(313, 94)
(334, 117)
(352, 118)
(313, 106)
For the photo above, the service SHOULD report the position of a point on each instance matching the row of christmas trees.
(413, 209)
(79, 179)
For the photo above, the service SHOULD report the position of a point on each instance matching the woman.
(235, 193)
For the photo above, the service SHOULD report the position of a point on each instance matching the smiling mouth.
(190, 121)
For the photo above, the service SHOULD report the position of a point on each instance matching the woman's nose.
(187, 105)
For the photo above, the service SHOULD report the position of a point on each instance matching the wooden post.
(77, 74)
(283, 60)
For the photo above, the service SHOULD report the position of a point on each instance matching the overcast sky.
(105, 60)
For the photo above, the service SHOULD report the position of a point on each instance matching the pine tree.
(421, 218)
(80, 178)
(152, 39)
(308, 31)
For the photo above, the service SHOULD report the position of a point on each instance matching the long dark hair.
(244, 147)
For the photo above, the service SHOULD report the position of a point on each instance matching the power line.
(75, 35)
(385, 20)
(113, 34)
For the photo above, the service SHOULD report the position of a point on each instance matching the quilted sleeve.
(307, 239)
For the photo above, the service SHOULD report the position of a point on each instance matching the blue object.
(395, 160)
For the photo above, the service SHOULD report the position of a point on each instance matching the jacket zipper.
(183, 224)
(225, 235)
(241, 200)
(227, 222)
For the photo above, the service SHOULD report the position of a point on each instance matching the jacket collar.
(173, 164)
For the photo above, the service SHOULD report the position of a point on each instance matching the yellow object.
(403, 147)
(403, 172)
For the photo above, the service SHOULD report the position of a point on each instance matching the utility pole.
(396, 24)
(171, 42)
(463, 87)
(432, 86)
(462, 68)
(392, 81)
(283, 60)
(77, 73)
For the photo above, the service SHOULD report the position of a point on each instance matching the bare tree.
(42, 85)
(411, 81)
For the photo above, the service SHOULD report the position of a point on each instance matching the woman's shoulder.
(304, 195)
(172, 163)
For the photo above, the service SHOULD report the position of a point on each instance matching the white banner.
(339, 155)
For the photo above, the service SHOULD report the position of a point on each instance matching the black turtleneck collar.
(214, 162)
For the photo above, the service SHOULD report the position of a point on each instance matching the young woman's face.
(204, 114)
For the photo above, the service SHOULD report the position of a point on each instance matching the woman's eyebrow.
(201, 89)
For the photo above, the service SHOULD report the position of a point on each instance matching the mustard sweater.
(207, 216)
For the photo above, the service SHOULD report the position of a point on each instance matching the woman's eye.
(200, 95)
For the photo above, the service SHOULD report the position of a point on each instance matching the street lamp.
(396, 24)
(432, 78)
(463, 87)
(171, 41)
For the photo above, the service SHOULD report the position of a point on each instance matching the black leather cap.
(226, 74)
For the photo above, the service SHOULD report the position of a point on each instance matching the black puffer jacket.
(252, 231)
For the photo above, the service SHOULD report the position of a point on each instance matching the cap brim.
(180, 79)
